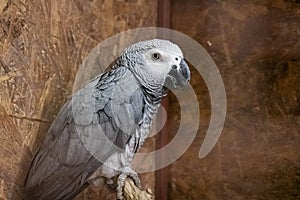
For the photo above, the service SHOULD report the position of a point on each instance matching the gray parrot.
(103, 125)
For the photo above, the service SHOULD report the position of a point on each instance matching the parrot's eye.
(156, 56)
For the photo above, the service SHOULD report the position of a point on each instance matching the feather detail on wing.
(98, 120)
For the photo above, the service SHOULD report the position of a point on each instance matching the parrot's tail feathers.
(56, 189)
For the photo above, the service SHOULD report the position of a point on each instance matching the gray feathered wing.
(99, 116)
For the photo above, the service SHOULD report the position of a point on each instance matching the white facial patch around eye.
(154, 55)
(165, 55)
(161, 62)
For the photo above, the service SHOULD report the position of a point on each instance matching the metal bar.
(161, 176)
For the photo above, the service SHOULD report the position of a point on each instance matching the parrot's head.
(158, 63)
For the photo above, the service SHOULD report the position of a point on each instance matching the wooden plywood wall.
(256, 47)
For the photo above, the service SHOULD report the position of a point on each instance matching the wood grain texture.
(256, 47)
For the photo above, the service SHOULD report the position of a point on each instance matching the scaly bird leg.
(126, 172)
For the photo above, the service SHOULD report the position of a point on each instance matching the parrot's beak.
(179, 76)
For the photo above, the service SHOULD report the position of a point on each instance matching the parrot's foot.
(126, 172)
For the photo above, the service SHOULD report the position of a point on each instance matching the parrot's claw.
(126, 172)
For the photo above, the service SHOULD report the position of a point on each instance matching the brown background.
(42, 44)
(255, 44)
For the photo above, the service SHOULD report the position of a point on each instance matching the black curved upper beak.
(179, 76)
